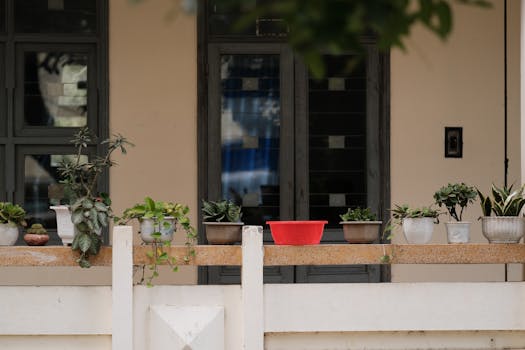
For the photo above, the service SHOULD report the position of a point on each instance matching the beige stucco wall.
(454, 83)
(434, 84)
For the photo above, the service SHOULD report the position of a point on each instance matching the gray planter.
(223, 232)
(458, 232)
(418, 230)
(361, 231)
(8, 234)
(166, 227)
(503, 229)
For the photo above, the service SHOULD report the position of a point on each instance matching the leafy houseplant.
(158, 221)
(506, 204)
(222, 221)
(417, 223)
(360, 225)
(456, 197)
(36, 235)
(11, 216)
(90, 209)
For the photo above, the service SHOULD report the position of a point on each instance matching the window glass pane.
(55, 16)
(55, 89)
(224, 15)
(250, 126)
(2, 15)
(337, 139)
(41, 171)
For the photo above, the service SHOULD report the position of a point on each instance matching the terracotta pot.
(223, 232)
(34, 239)
(361, 231)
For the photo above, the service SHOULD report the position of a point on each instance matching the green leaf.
(84, 242)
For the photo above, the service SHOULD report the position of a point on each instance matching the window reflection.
(41, 171)
(250, 126)
(55, 89)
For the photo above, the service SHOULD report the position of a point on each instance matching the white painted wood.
(187, 328)
(55, 310)
(395, 340)
(522, 88)
(54, 342)
(252, 288)
(227, 296)
(394, 307)
(122, 296)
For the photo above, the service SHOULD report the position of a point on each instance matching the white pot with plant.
(456, 197)
(360, 225)
(222, 220)
(417, 223)
(11, 217)
(506, 226)
(158, 222)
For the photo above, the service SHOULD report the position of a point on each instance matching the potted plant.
(360, 225)
(507, 226)
(36, 235)
(158, 221)
(90, 209)
(11, 216)
(456, 197)
(222, 221)
(417, 223)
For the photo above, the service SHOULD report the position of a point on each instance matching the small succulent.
(453, 196)
(12, 214)
(37, 229)
(221, 211)
(358, 214)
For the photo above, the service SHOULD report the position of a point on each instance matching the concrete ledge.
(324, 254)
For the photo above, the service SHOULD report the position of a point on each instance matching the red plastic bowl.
(296, 232)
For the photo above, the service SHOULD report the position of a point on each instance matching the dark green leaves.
(358, 214)
(221, 211)
(12, 213)
(453, 196)
(505, 202)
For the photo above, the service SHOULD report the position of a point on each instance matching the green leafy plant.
(12, 214)
(221, 211)
(90, 209)
(453, 196)
(358, 214)
(504, 202)
(157, 211)
(399, 213)
(37, 229)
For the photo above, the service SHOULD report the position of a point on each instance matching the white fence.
(254, 316)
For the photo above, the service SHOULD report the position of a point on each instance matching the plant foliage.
(12, 214)
(504, 202)
(221, 211)
(159, 253)
(358, 214)
(90, 210)
(37, 229)
(453, 196)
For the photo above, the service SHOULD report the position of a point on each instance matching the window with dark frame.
(286, 146)
(53, 67)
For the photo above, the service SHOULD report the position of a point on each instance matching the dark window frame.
(381, 100)
(48, 139)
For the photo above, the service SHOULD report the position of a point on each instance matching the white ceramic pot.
(65, 227)
(503, 229)
(361, 231)
(166, 227)
(418, 230)
(8, 234)
(458, 232)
